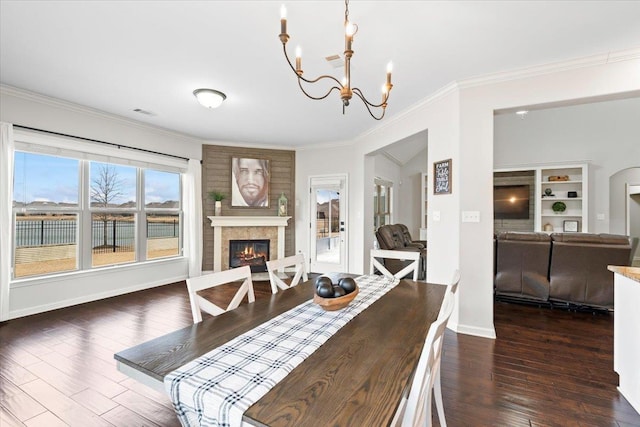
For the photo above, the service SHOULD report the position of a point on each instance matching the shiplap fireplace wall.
(216, 175)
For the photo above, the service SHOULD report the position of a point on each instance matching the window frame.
(50, 145)
(382, 215)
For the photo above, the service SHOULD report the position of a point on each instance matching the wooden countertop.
(632, 273)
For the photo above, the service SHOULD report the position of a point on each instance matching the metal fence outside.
(106, 236)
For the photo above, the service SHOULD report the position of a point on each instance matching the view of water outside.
(46, 233)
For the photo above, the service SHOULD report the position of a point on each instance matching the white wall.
(33, 295)
(338, 159)
(618, 183)
(624, 196)
(459, 120)
(37, 111)
(604, 76)
(605, 134)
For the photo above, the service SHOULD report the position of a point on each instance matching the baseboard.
(472, 330)
(90, 298)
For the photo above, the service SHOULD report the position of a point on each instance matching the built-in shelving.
(576, 207)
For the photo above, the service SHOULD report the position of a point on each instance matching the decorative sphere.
(325, 290)
(338, 292)
(323, 280)
(348, 284)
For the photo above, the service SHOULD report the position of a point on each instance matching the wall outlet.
(600, 217)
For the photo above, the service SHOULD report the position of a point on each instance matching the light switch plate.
(470, 216)
(436, 215)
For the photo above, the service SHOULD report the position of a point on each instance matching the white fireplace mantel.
(249, 221)
(219, 222)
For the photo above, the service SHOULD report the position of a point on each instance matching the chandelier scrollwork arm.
(370, 105)
(343, 87)
(302, 79)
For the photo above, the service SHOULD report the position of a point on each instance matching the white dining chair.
(452, 289)
(415, 409)
(279, 265)
(378, 255)
(207, 281)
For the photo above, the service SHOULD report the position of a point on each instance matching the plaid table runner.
(218, 387)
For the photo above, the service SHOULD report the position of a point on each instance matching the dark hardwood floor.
(546, 368)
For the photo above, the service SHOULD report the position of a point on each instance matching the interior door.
(328, 224)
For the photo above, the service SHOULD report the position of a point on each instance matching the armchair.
(396, 237)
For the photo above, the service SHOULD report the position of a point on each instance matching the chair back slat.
(279, 265)
(414, 266)
(207, 281)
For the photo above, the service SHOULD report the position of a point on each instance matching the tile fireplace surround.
(227, 228)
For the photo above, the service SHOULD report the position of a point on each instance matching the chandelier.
(343, 86)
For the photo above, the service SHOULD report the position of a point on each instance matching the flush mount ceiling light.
(343, 86)
(522, 113)
(209, 98)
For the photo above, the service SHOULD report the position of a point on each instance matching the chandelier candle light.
(344, 86)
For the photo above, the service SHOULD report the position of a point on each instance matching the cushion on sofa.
(524, 236)
(601, 239)
(522, 265)
(578, 272)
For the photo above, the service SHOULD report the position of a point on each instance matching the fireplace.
(254, 253)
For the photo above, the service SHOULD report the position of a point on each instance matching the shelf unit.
(423, 206)
(577, 207)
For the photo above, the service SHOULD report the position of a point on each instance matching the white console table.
(626, 332)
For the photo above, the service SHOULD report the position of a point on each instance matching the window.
(45, 206)
(381, 202)
(162, 203)
(113, 201)
(126, 213)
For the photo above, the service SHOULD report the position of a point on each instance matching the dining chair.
(415, 409)
(211, 280)
(452, 289)
(279, 265)
(380, 254)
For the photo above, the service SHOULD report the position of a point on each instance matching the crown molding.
(77, 108)
(325, 145)
(504, 76)
(442, 92)
(550, 68)
(241, 144)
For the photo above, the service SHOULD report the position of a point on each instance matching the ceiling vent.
(145, 112)
(335, 61)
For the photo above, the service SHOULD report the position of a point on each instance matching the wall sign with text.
(442, 177)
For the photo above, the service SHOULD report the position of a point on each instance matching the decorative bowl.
(333, 304)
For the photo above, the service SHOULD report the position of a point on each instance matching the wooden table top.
(357, 377)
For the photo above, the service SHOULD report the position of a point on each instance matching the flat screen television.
(511, 202)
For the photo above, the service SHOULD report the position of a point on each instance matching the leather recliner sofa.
(396, 237)
(578, 271)
(563, 268)
(522, 265)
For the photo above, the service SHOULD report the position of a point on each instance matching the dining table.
(357, 377)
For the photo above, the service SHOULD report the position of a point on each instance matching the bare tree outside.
(105, 188)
